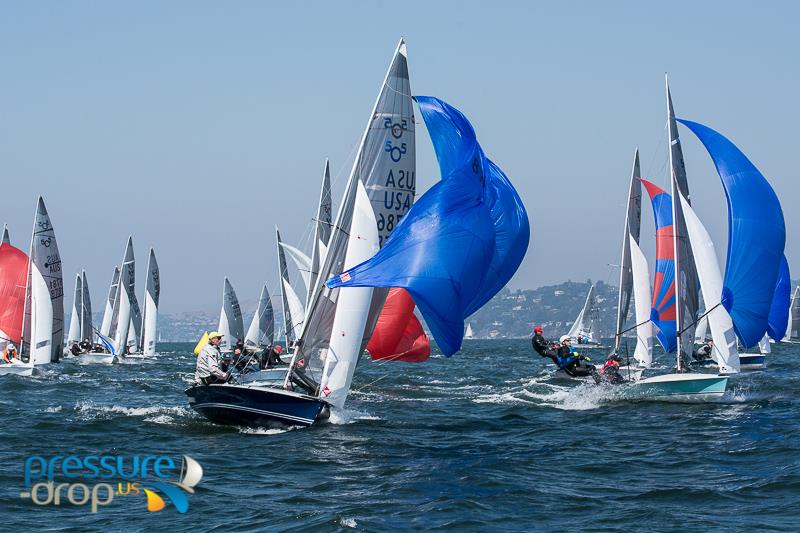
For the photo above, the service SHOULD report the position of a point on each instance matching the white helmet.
(10, 346)
(565, 338)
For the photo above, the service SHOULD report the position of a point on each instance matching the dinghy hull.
(690, 387)
(255, 406)
(17, 370)
(97, 358)
(752, 361)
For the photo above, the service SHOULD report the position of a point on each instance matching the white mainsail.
(152, 293)
(105, 325)
(230, 319)
(585, 324)
(793, 328)
(262, 328)
(710, 277)
(43, 322)
(701, 331)
(74, 332)
(469, 334)
(640, 276)
(303, 263)
(352, 307)
(293, 310)
(121, 316)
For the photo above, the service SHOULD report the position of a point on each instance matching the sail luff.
(633, 217)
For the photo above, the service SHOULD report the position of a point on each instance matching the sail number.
(395, 152)
(397, 127)
(388, 222)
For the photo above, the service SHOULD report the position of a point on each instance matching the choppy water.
(486, 440)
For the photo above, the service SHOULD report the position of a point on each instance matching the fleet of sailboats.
(384, 259)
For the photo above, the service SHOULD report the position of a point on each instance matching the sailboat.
(114, 334)
(337, 323)
(469, 334)
(585, 325)
(739, 305)
(230, 319)
(41, 332)
(793, 326)
(80, 325)
(261, 332)
(6, 236)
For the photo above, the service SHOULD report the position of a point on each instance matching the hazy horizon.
(197, 127)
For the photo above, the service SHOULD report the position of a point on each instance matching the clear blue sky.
(198, 126)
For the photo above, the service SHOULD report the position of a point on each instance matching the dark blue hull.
(255, 406)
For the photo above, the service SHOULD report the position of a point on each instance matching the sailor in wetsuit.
(610, 370)
(541, 345)
(571, 362)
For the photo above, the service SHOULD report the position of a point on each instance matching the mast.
(633, 216)
(686, 283)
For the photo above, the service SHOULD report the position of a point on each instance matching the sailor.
(570, 361)
(208, 369)
(541, 345)
(272, 357)
(10, 353)
(704, 352)
(610, 370)
(85, 346)
(75, 349)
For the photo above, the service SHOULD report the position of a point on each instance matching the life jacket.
(610, 363)
(9, 355)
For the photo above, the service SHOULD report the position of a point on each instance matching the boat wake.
(349, 416)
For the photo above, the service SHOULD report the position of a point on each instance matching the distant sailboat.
(585, 325)
(293, 309)
(793, 326)
(261, 332)
(6, 237)
(469, 334)
(230, 319)
(152, 293)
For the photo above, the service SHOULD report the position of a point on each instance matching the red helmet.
(278, 349)
(538, 329)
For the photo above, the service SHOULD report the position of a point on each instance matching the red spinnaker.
(13, 278)
(398, 335)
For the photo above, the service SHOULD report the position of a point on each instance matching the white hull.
(96, 358)
(18, 369)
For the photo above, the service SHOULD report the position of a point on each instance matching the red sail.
(13, 277)
(399, 335)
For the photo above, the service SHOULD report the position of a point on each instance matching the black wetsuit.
(542, 347)
(571, 364)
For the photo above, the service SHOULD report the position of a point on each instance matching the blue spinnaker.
(756, 236)
(781, 301)
(461, 242)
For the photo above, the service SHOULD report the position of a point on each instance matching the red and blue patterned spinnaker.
(662, 312)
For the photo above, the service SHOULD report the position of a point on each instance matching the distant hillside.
(554, 307)
(509, 314)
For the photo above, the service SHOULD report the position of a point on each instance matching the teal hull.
(681, 389)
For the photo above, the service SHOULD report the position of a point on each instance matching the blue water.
(487, 440)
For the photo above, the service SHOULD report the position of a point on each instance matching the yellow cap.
(215, 334)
